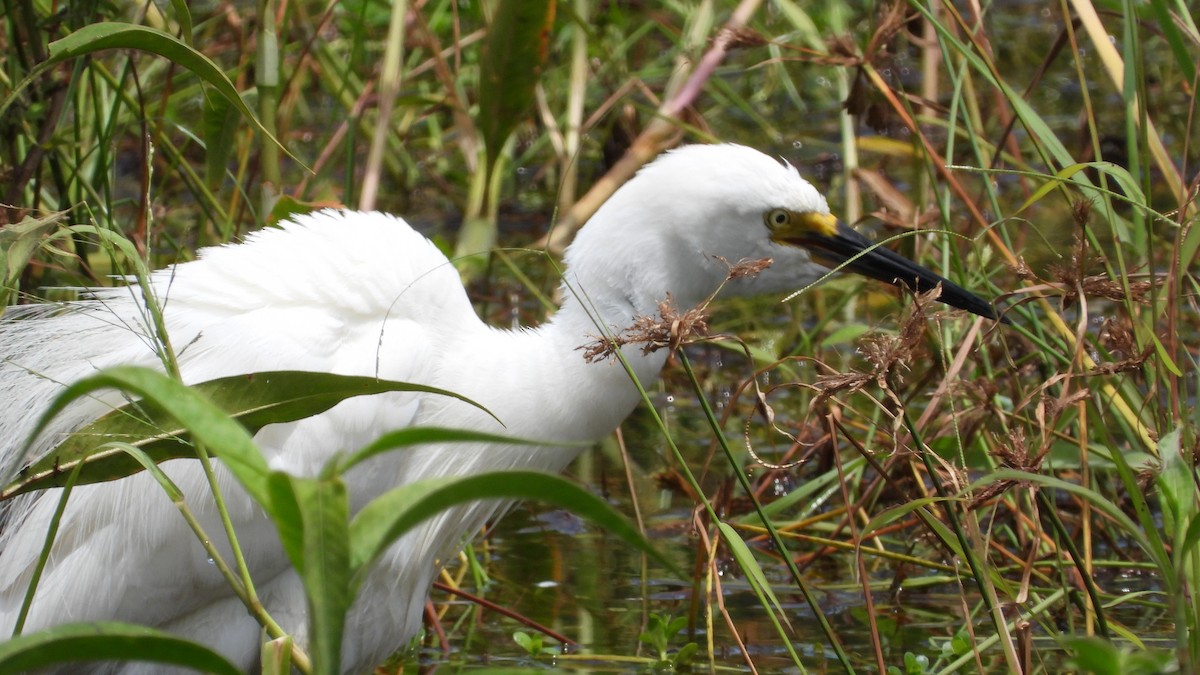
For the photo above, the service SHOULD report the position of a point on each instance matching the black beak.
(880, 263)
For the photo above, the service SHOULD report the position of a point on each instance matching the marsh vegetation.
(927, 491)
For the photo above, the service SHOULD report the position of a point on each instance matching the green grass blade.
(116, 35)
(752, 570)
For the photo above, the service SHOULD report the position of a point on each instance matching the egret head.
(684, 217)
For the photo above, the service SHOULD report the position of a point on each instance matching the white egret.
(364, 294)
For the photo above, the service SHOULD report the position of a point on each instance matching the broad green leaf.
(325, 513)
(288, 518)
(394, 513)
(512, 59)
(206, 423)
(108, 641)
(254, 401)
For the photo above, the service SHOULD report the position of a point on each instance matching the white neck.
(538, 383)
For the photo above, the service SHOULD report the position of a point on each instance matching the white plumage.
(362, 294)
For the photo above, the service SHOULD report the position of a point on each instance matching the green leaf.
(254, 401)
(184, 17)
(289, 521)
(846, 334)
(1176, 484)
(532, 644)
(1166, 24)
(204, 421)
(897, 512)
(325, 514)
(1098, 500)
(109, 641)
(1093, 655)
(116, 35)
(685, 655)
(287, 207)
(915, 664)
(750, 567)
(389, 516)
(18, 243)
(220, 132)
(512, 59)
(1164, 357)
(961, 643)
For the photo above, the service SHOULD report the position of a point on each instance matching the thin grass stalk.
(348, 90)
(1095, 610)
(237, 585)
(47, 546)
(105, 124)
(1086, 511)
(776, 539)
(154, 318)
(864, 578)
(1095, 607)
(712, 514)
(643, 560)
(1114, 66)
(681, 91)
(1041, 607)
(204, 197)
(450, 80)
(171, 364)
(975, 562)
(1156, 547)
(1123, 407)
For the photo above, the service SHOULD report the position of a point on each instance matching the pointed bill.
(832, 243)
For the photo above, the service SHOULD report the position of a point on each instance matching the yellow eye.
(777, 218)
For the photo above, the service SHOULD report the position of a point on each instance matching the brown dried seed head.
(748, 268)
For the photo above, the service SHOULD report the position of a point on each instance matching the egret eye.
(777, 218)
